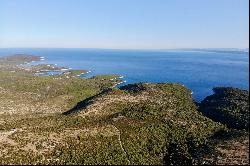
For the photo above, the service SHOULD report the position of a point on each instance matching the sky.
(124, 24)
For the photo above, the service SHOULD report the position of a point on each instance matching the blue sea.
(199, 70)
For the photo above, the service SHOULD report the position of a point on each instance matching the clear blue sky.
(125, 24)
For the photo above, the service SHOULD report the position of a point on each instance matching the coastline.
(168, 70)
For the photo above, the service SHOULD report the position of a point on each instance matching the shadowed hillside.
(229, 106)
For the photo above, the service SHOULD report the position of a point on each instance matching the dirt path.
(120, 142)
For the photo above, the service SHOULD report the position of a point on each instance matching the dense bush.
(229, 106)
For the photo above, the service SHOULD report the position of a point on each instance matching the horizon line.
(179, 48)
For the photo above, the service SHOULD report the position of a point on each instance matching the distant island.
(63, 118)
(220, 50)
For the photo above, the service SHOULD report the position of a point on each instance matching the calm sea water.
(199, 71)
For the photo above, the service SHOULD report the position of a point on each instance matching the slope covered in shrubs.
(158, 123)
(229, 106)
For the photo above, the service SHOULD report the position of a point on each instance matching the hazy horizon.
(209, 48)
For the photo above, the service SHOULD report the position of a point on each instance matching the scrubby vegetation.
(61, 120)
(229, 106)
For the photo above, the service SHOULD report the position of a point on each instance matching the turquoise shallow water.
(198, 70)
